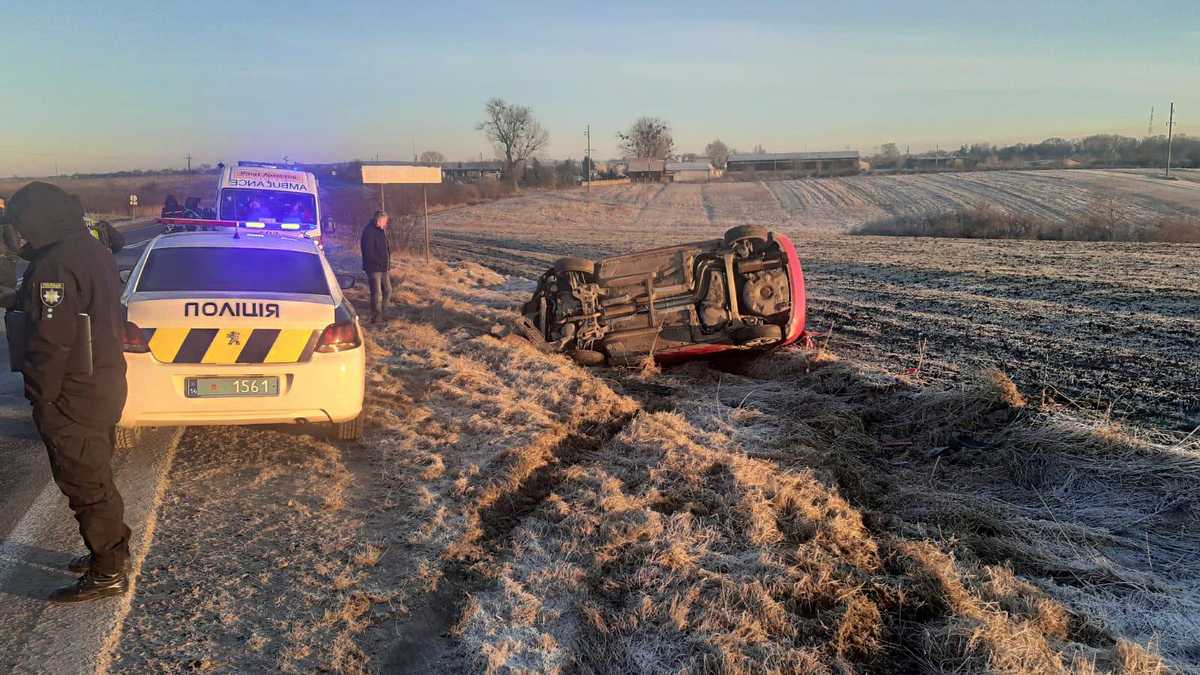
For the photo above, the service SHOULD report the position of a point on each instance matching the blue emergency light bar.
(261, 165)
(199, 223)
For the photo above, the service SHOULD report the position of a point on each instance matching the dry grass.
(513, 512)
(705, 540)
(988, 223)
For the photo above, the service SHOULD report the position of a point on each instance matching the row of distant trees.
(1097, 150)
(517, 137)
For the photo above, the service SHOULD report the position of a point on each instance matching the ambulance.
(263, 196)
(240, 326)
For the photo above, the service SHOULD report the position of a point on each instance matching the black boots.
(84, 563)
(92, 586)
(81, 564)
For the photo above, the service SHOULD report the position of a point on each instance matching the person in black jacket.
(108, 235)
(76, 403)
(376, 259)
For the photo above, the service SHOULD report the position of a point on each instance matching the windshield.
(243, 270)
(268, 206)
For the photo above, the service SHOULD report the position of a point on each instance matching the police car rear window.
(238, 270)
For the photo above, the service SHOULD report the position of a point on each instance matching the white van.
(258, 196)
(266, 197)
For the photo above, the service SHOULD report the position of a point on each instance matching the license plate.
(222, 387)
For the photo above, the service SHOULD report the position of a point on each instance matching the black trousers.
(81, 462)
(381, 292)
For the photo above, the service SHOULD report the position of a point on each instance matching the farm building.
(935, 162)
(472, 171)
(839, 163)
(690, 172)
(646, 170)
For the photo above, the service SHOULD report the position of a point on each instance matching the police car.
(238, 327)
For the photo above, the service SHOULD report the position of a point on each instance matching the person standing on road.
(376, 260)
(8, 259)
(106, 234)
(76, 403)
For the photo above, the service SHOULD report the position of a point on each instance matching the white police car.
(245, 329)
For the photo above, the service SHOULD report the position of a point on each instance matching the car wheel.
(564, 265)
(127, 437)
(754, 337)
(744, 232)
(588, 357)
(350, 430)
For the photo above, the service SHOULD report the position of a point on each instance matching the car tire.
(350, 430)
(126, 437)
(588, 357)
(755, 337)
(564, 265)
(744, 232)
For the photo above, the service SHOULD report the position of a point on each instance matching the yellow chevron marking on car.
(165, 343)
(289, 345)
(226, 346)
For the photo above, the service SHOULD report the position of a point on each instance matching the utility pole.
(1170, 129)
(189, 161)
(425, 221)
(1150, 127)
(587, 162)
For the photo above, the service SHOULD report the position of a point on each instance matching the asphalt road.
(39, 535)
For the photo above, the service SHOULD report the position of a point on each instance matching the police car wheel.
(127, 437)
(350, 430)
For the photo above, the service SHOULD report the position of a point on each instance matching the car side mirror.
(346, 281)
(125, 274)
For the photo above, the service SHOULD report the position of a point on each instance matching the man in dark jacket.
(106, 234)
(76, 402)
(376, 259)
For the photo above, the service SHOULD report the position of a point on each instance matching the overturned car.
(742, 292)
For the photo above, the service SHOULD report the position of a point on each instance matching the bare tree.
(717, 153)
(432, 157)
(760, 150)
(514, 132)
(648, 137)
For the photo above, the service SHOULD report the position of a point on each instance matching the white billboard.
(392, 174)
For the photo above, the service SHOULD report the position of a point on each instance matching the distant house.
(936, 162)
(646, 170)
(838, 163)
(690, 172)
(464, 172)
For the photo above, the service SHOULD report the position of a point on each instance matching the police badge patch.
(52, 293)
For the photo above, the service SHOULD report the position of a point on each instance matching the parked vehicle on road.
(237, 327)
(744, 291)
(261, 196)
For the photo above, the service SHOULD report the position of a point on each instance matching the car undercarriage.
(741, 292)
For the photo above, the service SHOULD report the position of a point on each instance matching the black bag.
(17, 330)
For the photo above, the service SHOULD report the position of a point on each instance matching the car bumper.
(328, 388)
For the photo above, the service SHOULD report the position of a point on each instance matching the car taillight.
(134, 340)
(338, 337)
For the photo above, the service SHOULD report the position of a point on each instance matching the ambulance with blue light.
(261, 196)
(242, 324)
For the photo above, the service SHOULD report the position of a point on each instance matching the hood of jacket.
(45, 214)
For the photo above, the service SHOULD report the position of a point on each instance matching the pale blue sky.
(103, 85)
